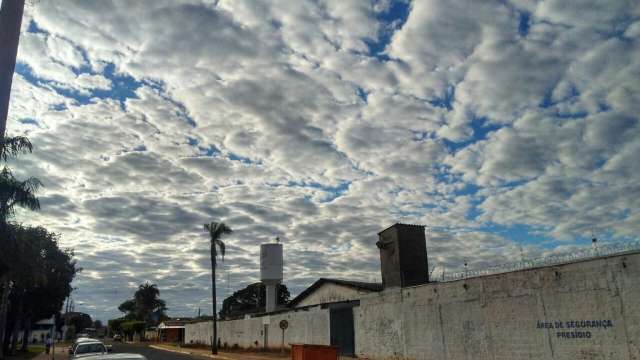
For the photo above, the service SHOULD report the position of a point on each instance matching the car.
(120, 356)
(79, 341)
(89, 348)
(117, 337)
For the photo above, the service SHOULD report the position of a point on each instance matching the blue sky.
(501, 125)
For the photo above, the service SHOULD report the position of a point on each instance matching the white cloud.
(276, 118)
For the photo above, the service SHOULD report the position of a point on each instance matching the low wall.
(584, 310)
(309, 326)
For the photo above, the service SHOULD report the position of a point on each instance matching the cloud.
(500, 124)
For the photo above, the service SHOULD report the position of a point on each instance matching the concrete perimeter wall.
(310, 326)
(585, 310)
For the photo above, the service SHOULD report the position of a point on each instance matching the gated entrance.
(341, 329)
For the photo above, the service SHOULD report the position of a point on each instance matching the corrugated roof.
(359, 285)
(401, 225)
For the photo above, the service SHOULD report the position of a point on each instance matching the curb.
(190, 353)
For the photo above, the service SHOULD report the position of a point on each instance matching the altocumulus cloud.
(507, 126)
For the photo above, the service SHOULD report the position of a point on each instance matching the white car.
(120, 356)
(88, 348)
(80, 340)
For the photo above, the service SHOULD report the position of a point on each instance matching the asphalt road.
(150, 353)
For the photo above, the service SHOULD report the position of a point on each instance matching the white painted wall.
(329, 292)
(493, 317)
(496, 317)
(309, 326)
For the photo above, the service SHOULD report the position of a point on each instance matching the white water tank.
(271, 263)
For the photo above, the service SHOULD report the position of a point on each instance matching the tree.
(10, 21)
(13, 193)
(70, 334)
(146, 305)
(115, 325)
(216, 230)
(41, 276)
(129, 328)
(79, 320)
(150, 307)
(251, 299)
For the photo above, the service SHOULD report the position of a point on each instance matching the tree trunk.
(4, 304)
(16, 328)
(26, 331)
(214, 340)
(10, 21)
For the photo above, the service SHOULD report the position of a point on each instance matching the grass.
(35, 349)
(32, 351)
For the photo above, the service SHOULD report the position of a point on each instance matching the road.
(151, 354)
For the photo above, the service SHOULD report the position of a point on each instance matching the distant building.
(325, 291)
(172, 330)
(40, 330)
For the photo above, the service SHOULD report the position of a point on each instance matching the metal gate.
(341, 329)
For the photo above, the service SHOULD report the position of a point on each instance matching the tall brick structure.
(403, 255)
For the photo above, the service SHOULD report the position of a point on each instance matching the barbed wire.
(549, 260)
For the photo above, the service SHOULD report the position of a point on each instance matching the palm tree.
(13, 192)
(216, 230)
(14, 146)
(148, 304)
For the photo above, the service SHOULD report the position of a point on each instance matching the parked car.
(80, 340)
(120, 356)
(117, 337)
(89, 348)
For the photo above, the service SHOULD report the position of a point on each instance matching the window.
(90, 348)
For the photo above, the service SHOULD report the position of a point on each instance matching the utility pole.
(10, 22)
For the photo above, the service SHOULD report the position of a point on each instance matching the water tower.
(271, 272)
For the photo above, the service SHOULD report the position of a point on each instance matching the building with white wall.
(325, 291)
(585, 309)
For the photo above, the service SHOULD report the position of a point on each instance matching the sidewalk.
(37, 353)
(222, 355)
(60, 354)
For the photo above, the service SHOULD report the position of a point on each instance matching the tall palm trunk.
(25, 333)
(214, 340)
(16, 327)
(4, 304)
(10, 21)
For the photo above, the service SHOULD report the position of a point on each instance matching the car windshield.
(90, 348)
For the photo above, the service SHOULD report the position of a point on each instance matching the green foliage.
(14, 192)
(146, 305)
(79, 320)
(133, 327)
(71, 333)
(251, 299)
(216, 230)
(30, 279)
(41, 272)
(11, 147)
(115, 325)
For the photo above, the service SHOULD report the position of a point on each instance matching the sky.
(508, 127)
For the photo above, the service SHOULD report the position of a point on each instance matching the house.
(325, 291)
(172, 330)
(40, 330)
